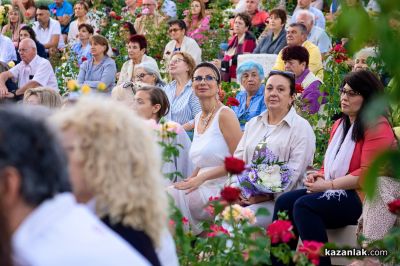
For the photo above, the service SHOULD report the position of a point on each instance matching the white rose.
(271, 176)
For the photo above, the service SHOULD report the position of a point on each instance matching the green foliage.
(66, 69)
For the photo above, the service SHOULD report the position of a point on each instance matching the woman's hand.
(190, 183)
(318, 185)
(312, 177)
(254, 199)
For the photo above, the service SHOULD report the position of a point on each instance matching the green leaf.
(262, 212)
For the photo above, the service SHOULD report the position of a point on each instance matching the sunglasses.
(173, 30)
(289, 75)
(349, 93)
(207, 78)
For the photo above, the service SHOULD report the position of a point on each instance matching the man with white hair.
(258, 17)
(306, 5)
(150, 17)
(316, 35)
(33, 71)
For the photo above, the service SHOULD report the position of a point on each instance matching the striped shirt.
(184, 107)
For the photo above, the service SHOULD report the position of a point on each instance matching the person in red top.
(330, 199)
(258, 17)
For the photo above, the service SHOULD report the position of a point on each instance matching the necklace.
(206, 120)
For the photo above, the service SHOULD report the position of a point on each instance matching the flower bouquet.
(266, 174)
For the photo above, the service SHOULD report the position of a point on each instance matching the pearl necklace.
(206, 120)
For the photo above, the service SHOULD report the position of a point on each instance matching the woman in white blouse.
(288, 136)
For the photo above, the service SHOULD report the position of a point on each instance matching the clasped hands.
(316, 183)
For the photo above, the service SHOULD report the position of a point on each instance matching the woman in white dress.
(216, 135)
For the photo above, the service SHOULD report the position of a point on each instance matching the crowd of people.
(81, 174)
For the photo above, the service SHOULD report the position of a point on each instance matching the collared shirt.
(7, 50)
(183, 108)
(62, 232)
(93, 75)
(292, 140)
(320, 38)
(59, 11)
(43, 35)
(81, 52)
(319, 16)
(39, 70)
(256, 106)
(169, 8)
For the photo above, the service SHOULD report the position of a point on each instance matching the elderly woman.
(243, 41)
(197, 21)
(251, 100)
(216, 135)
(330, 199)
(184, 103)
(43, 96)
(113, 159)
(275, 40)
(151, 103)
(81, 49)
(361, 57)
(15, 22)
(148, 73)
(288, 136)
(100, 68)
(136, 46)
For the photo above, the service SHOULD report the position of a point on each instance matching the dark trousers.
(312, 215)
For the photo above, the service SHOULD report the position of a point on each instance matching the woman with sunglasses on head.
(216, 135)
(331, 199)
(287, 135)
(184, 103)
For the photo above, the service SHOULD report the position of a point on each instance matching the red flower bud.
(232, 102)
(234, 166)
(230, 194)
(394, 207)
(118, 17)
(280, 231)
(113, 14)
(299, 88)
(312, 249)
(84, 59)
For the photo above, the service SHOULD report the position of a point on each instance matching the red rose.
(118, 17)
(232, 102)
(84, 59)
(185, 220)
(221, 26)
(230, 194)
(113, 14)
(234, 166)
(312, 249)
(217, 230)
(280, 231)
(299, 88)
(394, 207)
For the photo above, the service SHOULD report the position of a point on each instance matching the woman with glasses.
(197, 21)
(136, 47)
(184, 103)
(180, 42)
(148, 73)
(216, 135)
(287, 135)
(331, 199)
(251, 100)
(275, 39)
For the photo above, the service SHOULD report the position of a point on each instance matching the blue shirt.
(93, 75)
(80, 52)
(64, 9)
(183, 108)
(256, 106)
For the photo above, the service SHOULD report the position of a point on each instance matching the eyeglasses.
(142, 75)
(173, 30)
(289, 75)
(177, 60)
(349, 93)
(23, 50)
(207, 78)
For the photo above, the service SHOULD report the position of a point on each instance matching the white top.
(44, 35)
(320, 38)
(127, 69)
(7, 49)
(292, 140)
(189, 46)
(73, 30)
(63, 233)
(39, 68)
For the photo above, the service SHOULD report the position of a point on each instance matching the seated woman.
(43, 96)
(197, 22)
(243, 41)
(27, 7)
(184, 103)
(81, 9)
(275, 40)
(330, 199)
(136, 46)
(14, 25)
(27, 32)
(288, 136)
(81, 48)
(100, 68)
(216, 135)
(251, 100)
(148, 73)
(361, 57)
(114, 169)
(296, 60)
(152, 103)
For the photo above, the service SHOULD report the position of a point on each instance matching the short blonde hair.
(124, 92)
(122, 163)
(47, 97)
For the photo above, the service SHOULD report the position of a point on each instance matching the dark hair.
(280, 13)
(130, 27)
(296, 53)
(30, 31)
(43, 7)
(368, 85)
(140, 39)
(287, 75)
(157, 96)
(99, 39)
(83, 4)
(213, 67)
(245, 17)
(179, 22)
(88, 27)
(29, 146)
(302, 28)
(5, 239)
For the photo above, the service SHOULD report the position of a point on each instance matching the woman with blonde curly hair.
(114, 166)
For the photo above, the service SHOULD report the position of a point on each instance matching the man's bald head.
(27, 50)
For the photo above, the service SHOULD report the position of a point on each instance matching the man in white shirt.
(33, 71)
(48, 30)
(316, 35)
(47, 226)
(306, 5)
(7, 49)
